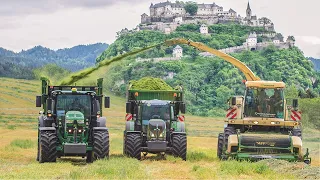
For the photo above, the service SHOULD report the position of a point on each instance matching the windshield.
(68, 102)
(264, 103)
(156, 112)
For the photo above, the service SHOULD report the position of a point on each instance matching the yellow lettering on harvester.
(265, 143)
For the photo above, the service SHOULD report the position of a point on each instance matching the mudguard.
(129, 126)
(100, 129)
(47, 129)
(132, 132)
(102, 122)
(41, 121)
(180, 127)
(178, 133)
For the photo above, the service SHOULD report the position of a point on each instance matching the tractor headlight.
(161, 135)
(152, 134)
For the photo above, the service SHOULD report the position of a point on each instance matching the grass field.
(18, 139)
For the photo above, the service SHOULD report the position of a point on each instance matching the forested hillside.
(20, 65)
(208, 82)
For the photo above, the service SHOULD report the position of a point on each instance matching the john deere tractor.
(154, 123)
(71, 123)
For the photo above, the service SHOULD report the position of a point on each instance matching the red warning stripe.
(295, 115)
(128, 117)
(230, 111)
(234, 115)
(181, 118)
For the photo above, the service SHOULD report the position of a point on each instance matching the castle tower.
(144, 18)
(177, 52)
(152, 10)
(248, 12)
(290, 41)
(252, 41)
(204, 29)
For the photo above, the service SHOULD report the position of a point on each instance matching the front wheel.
(179, 146)
(220, 146)
(100, 148)
(133, 143)
(47, 147)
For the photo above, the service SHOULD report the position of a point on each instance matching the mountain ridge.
(73, 59)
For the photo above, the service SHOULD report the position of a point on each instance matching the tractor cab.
(155, 116)
(264, 102)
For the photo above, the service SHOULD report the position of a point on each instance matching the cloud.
(27, 7)
(314, 40)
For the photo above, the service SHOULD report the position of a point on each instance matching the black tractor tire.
(38, 148)
(133, 145)
(100, 147)
(297, 132)
(124, 146)
(179, 146)
(227, 132)
(47, 147)
(89, 158)
(220, 146)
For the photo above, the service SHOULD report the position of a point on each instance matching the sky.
(66, 23)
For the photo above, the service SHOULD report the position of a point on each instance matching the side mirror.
(106, 102)
(38, 101)
(183, 108)
(295, 103)
(128, 107)
(234, 101)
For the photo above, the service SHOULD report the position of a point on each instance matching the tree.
(191, 8)
(264, 21)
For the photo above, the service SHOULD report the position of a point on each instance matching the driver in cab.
(76, 105)
(263, 105)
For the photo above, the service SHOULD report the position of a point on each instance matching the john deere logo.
(265, 143)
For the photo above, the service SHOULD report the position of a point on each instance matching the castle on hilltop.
(167, 16)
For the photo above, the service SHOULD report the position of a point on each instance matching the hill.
(73, 59)
(208, 82)
(316, 63)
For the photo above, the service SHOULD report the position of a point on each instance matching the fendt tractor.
(261, 124)
(154, 124)
(71, 123)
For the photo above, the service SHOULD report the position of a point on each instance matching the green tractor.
(154, 124)
(71, 123)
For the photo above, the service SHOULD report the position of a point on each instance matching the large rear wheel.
(47, 147)
(227, 132)
(179, 146)
(132, 145)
